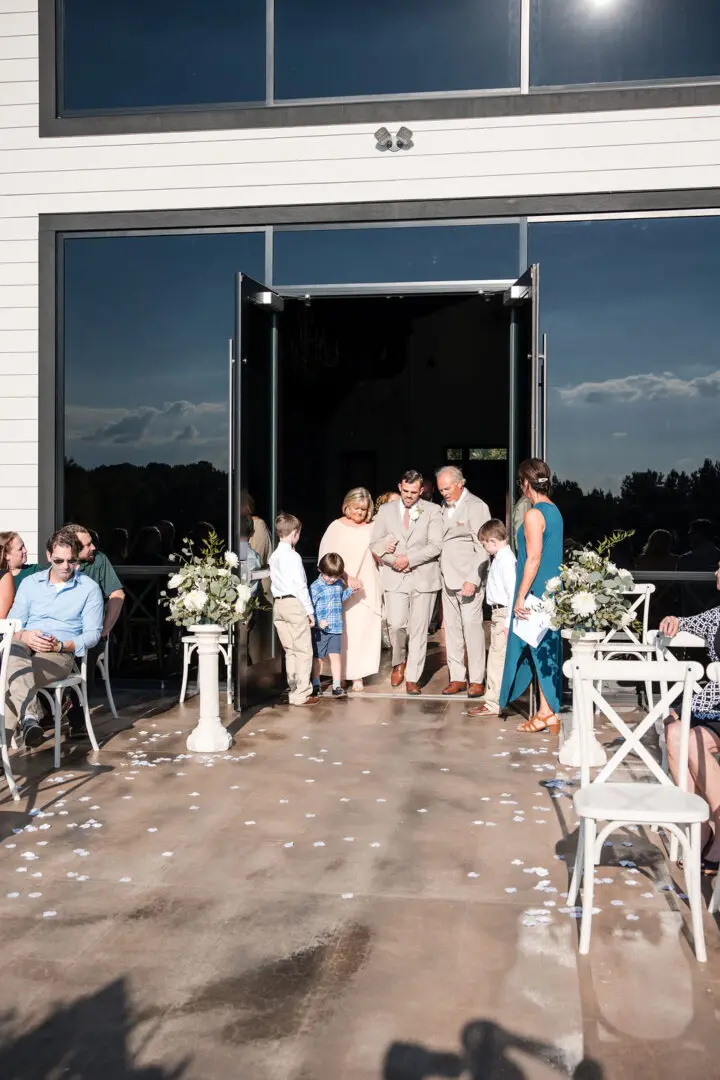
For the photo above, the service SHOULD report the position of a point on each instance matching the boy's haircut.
(286, 524)
(332, 564)
(494, 529)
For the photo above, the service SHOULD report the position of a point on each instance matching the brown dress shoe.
(455, 688)
(310, 701)
(412, 688)
(398, 675)
(476, 689)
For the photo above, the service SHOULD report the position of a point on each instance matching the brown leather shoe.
(398, 675)
(412, 688)
(476, 689)
(310, 701)
(455, 688)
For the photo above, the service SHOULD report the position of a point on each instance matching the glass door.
(527, 401)
(253, 454)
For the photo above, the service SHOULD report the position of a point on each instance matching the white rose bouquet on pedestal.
(206, 588)
(588, 595)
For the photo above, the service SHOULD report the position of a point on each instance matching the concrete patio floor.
(351, 892)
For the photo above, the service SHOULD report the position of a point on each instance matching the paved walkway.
(348, 894)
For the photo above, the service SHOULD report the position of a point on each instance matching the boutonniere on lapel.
(415, 512)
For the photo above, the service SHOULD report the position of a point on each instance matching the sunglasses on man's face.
(63, 562)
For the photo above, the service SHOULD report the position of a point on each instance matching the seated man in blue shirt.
(61, 611)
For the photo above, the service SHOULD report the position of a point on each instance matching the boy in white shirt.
(499, 595)
(292, 610)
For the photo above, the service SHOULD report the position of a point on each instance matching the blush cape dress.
(362, 612)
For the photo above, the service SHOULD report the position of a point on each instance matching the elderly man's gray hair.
(452, 471)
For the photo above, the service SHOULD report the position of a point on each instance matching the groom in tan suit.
(464, 564)
(406, 538)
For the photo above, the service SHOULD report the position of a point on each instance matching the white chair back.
(639, 596)
(682, 640)
(713, 671)
(679, 678)
(8, 627)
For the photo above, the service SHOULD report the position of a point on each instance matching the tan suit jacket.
(421, 543)
(463, 557)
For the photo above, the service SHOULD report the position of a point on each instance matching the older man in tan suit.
(463, 562)
(406, 538)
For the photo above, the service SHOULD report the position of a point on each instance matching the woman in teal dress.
(540, 553)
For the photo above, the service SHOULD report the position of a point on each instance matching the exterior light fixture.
(401, 140)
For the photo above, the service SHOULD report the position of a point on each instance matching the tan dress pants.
(408, 615)
(464, 633)
(496, 659)
(28, 672)
(293, 629)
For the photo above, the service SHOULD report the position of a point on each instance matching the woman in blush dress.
(349, 537)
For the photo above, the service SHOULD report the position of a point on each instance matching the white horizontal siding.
(18, 408)
(12, 476)
(496, 157)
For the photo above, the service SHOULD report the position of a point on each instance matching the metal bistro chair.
(603, 805)
(76, 683)
(8, 627)
(189, 645)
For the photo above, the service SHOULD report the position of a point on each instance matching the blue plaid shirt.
(327, 602)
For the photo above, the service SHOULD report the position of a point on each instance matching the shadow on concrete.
(483, 1056)
(86, 1040)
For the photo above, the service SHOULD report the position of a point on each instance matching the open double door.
(254, 398)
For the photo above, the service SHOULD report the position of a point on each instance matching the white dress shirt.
(287, 575)
(501, 579)
(452, 510)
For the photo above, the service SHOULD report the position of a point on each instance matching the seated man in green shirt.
(99, 568)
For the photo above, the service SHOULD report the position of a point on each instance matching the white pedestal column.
(209, 737)
(570, 749)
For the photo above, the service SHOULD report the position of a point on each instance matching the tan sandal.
(537, 723)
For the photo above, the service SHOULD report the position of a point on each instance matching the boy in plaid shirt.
(328, 593)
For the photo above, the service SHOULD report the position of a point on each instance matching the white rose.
(583, 603)
(196, 600)
(175, 581)
(244, 593)
(553, 584)
(231, 559)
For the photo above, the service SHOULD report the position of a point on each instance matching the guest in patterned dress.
(705, 733)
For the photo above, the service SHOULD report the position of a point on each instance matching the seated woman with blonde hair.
(349, 537)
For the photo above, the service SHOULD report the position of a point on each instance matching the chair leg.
(8, 770)
(674, 846)
(187, 652)
(693, 857)
(57, 715)
(577, 868)
(588, 891)
(650, 696)
(715, 898)
(82, 695)
(108, 692)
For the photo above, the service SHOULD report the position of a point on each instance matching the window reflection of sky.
(629, 308)
(634, 357)
(131, 54)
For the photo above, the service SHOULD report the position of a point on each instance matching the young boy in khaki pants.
(292, 610)
(499, 595)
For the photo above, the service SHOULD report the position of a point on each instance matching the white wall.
(647, 149)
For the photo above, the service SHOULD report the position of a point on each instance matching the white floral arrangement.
(206, 587)
(588, 595)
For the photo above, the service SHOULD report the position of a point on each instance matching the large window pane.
(597, 41)
(328, 49)
(443, 253)
(146, 328)
(630, 309)
(127, 54)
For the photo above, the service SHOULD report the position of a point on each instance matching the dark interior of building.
(372, 386)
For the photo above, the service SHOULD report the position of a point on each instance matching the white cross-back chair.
(8, 627)
(713, 673)
(662, 651)
(607, 804)
(103, 666)
(225, 647)
(625, 641)
(76, 683)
